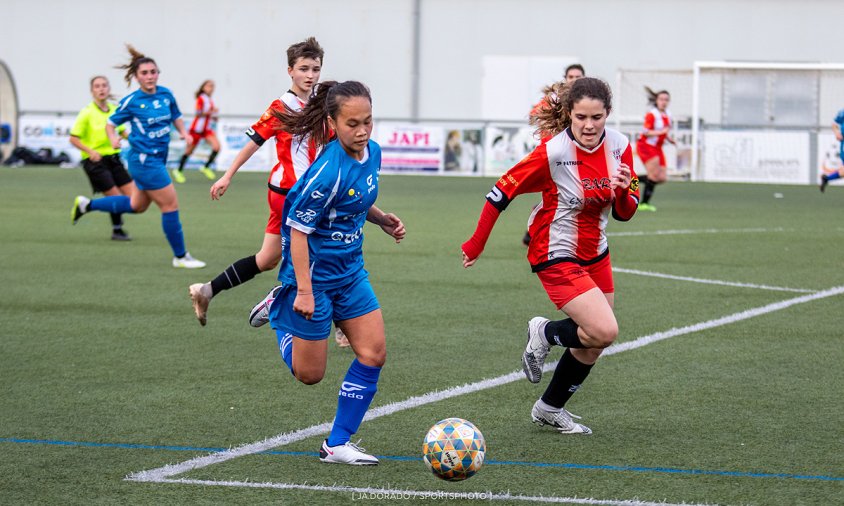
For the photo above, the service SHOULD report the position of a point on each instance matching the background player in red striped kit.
(304, 61)
(202, 127)
(656, 130)
(584, 173)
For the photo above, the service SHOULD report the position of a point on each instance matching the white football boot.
(536, 349)
(560, 420)
(187, 262)
(260, 314)
(348, 453)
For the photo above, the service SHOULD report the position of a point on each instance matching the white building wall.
(53, 47)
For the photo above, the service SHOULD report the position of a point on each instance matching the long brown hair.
(653, 95)
(202, 86)
(137, 59)
(325, 103)
(554, 115)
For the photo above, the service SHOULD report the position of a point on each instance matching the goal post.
(763, 122)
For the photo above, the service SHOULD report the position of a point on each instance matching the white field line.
(362, 493)
(726, 320)
(711, 281)
(162, 473)
(640, 233)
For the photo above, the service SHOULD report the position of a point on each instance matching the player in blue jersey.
(150, 110)
(322, 274)
(838, 129)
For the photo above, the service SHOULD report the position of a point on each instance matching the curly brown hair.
(554, 114)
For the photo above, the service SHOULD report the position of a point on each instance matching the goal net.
(764, 122)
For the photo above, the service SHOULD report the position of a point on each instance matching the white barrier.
(745, 156)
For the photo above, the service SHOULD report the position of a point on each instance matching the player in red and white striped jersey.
(304, 61)
(573, 72)
(584, 173)
(656, 130)
(201, 128)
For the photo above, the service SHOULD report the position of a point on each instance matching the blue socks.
(173, 230)
(832, 176)
(285, 347)
(356, 393)
(114, 204)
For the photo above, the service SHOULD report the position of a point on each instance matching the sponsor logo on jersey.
(369, 183)
(594, 183)
(316, 195)
(306, 216)
(347, 238)
(570, 162)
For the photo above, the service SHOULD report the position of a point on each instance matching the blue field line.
(639, 469)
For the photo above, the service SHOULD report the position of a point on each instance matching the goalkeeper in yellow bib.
(100, 160)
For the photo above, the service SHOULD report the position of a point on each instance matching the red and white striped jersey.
(655, 120)
(576, 196)
(203, 118)
(294, 156)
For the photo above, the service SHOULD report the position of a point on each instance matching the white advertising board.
(756, 157)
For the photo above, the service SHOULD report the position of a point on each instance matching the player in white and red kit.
(202, 127)
(584, 173)
(656, 130)
(573, 72)
(304, 61)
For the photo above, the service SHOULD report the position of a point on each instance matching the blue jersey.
(150, 115)
(839, 118)
(330, 203)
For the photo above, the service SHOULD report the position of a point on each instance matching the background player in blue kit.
(838, 129)
(322, 273)
(150, 110)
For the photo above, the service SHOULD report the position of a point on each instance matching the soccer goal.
(8, 112)
(764, 122)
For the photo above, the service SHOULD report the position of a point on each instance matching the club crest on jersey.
(634, 184)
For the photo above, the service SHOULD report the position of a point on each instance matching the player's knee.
(604, 334)
(373, 358)
(309, 377)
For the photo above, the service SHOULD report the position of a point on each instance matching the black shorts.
(107, 173)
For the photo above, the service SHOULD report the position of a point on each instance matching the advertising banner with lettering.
(231, 132)
(408, 147)
(48, 131)
(756, 157)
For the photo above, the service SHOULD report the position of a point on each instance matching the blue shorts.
(337, 304)
(841, 151)
(148, 171)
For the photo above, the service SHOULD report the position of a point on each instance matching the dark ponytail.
(312, 121)
(137, 59)
(653, 95)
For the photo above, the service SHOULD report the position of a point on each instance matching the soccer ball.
(454, 449)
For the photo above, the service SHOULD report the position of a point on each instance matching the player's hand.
(95, 157)
(621, 177)
(219, 187)
(304, 304)
(115, 143)
(839, 136)
(393, 226)
(187, 138)
(468, 262)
